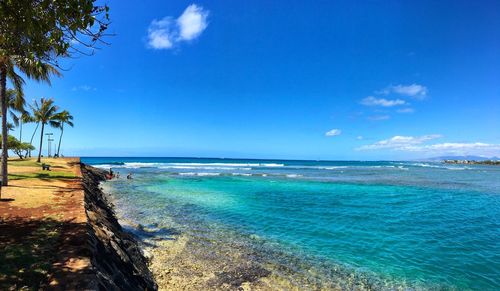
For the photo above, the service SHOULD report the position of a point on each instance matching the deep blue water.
(417, 224)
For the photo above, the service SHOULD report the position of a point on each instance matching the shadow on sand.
(6, 199)
(35, 254)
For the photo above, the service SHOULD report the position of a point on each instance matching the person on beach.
(129, 176)
(110, 175)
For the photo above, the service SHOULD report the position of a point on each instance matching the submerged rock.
(236, 277)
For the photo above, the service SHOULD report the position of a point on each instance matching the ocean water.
(382, 225)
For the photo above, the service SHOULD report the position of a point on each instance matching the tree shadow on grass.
(60, 188)
(72, 163)
(42, 176)
(35, 253)
(6, 199)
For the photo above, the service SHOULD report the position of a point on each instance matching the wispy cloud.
(472, 148)
(333, 132)
(83, 88)
(372, 101)
(414, 90)
(419, 144)
(405, 110)
(167, 32)
(359, 137)
(378, 117)
(400, 142)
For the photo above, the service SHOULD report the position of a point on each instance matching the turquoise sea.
(388, 225)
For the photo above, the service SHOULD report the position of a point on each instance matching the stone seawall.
(117, 259)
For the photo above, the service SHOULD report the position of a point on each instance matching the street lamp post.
(49, 139)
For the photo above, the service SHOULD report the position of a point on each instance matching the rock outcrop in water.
(117, 260)
(473, 162)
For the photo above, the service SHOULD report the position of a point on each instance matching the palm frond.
(55, 124)
(17, 81)
(36, 70)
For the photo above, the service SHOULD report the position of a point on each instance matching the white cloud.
(379, 117)
(359, 137)
(417, 144)
(160, 34)
(413, 90)
(372, 101)
(333, 132)
(405, 110)
(192, 22)
(167, 32)
(83, 88)
(473, 148)
(400, 142)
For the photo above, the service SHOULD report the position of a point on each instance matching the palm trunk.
(41, 142)
(32, 137)
(60, 138)
(3, 84)
(20, 131)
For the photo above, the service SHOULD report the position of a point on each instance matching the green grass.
(24, 163)
(43, 175)
(26, 262)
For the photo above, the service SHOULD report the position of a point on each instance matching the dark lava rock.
(117, 260)
(239, 275)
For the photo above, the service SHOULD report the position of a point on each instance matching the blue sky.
(287, 79)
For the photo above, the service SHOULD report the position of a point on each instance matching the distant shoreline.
(473, 162)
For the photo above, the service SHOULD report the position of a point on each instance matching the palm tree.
(44, 113)
(63, 117)
(35, 70)
(33, 135)
(24, 118)
(15, 105)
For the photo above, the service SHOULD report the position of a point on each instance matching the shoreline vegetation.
(58, 231)
(473, 162)
(46, 211)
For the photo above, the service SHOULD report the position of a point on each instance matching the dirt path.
(43, 238)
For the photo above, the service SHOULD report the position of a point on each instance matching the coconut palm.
(24, 118)
(44, 113)
(15, 108)
(33, 135)
(17, 111)
(62, 118)
(35, 70)
(15, 105)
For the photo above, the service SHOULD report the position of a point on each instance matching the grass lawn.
(42, 225)
(43, 175)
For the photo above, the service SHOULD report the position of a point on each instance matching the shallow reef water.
(284, 224)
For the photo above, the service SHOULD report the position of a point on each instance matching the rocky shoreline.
(473, 162)
(117, 259)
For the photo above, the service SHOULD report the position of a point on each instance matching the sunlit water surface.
(411, 224)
